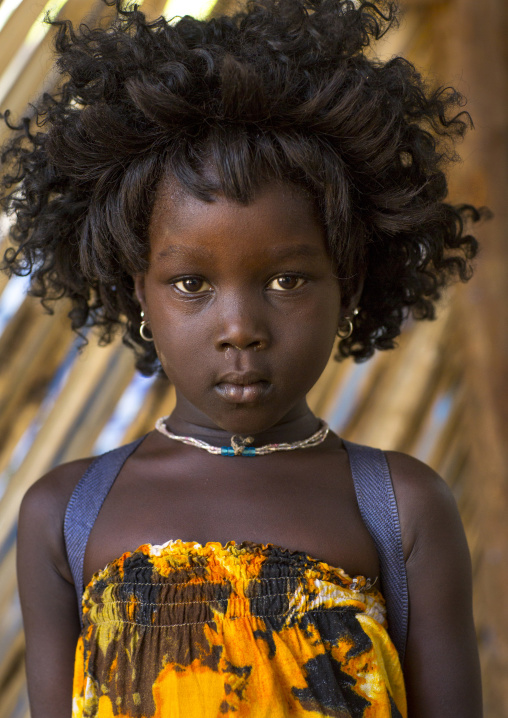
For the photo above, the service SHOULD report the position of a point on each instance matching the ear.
(353, 300)
(139, 289)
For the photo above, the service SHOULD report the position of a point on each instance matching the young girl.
(234, 194)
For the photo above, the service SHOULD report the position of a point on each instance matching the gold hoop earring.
(345, 333)
(144, 324)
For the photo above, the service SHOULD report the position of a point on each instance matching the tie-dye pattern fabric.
(190, 631)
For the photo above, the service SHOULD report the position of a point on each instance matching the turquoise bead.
(229, 451)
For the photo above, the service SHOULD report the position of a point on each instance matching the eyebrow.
(296, 250)
(176, 250)
(278, 253)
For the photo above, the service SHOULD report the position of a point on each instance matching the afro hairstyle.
(283, 90)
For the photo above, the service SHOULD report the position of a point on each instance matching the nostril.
(229, 345)
(256, 346)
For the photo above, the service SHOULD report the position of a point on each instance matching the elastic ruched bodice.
(190, 631)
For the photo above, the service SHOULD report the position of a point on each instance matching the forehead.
(279, 217)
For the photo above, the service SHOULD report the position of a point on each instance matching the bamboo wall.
(442, 396)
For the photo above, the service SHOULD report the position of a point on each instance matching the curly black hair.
(282, 90)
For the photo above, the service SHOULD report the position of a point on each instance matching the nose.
(241, 325)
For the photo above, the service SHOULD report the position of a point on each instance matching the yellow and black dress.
(186, 630)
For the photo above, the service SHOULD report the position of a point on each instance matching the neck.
(298, 424)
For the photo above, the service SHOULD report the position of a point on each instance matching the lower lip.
(240, 394)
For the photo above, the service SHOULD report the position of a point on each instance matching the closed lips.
(242, 379)
(243, 388)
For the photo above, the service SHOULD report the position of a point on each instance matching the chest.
(300, 502)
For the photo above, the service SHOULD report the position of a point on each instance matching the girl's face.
(242, 302)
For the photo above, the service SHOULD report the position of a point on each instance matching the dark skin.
(244, 306)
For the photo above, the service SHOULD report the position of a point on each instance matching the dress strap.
(85, 504)
(378, 507)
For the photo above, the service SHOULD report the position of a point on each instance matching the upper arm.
(48, 598)
(441, 666)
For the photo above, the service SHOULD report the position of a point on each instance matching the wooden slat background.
(442, 396)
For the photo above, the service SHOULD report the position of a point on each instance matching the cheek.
(308, 338)
(322, 317)
(179, 346)
(312, 348)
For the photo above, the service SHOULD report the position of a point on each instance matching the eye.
(192, 285)
(286, 282)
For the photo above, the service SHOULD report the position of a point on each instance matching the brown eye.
(192, 285)
(286, 282)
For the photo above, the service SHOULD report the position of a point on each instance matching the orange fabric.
(190, 631)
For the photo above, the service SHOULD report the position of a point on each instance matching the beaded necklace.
(240, 445)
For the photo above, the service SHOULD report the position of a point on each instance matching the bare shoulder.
(43, 508)
(50, 495)
(425, 502)
(415, 481)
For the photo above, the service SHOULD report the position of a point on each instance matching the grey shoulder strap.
(378, 507)
(85, 504)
